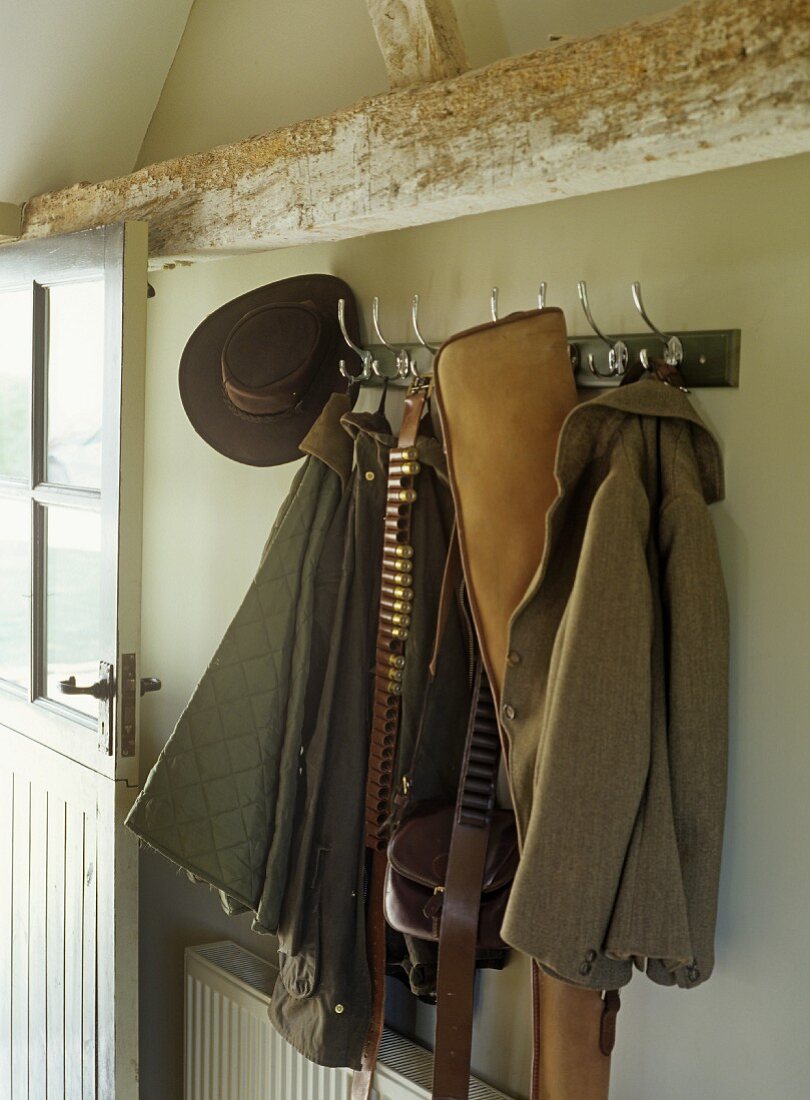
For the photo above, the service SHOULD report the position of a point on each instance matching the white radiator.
(234, 1053)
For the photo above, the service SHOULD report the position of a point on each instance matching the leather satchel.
(417, 870)
(450, 869)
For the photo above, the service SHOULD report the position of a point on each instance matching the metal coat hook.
(493, 299)
(406, 368)
(415, 322)
(493, 303)
(366, 358)
(618, 355)
(673, 348)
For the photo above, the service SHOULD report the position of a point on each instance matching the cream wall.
(728, 249)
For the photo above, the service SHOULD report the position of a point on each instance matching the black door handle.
(150, 683)
(100, 690)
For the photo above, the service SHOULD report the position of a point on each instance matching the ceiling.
(79, 82)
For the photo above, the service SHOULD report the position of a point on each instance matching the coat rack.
(704, 358)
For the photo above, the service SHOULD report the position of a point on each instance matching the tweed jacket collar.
(589, 429)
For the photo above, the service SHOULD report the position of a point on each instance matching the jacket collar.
(327, 441)
(589, 429)
(431, 451)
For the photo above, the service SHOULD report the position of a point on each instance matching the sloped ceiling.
(79, 81)
(249, 66)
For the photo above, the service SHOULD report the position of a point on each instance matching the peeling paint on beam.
(714, 84)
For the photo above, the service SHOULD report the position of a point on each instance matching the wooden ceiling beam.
(714, 84)
(420, 40)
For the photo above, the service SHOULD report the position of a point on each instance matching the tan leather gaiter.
(504, 390)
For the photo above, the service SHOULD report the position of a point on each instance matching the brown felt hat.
(255, 375)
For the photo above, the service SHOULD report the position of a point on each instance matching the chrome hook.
(366, 358)
(673, 348)
(493, 299)
(404, 363)
(415, 322)
(618, 356)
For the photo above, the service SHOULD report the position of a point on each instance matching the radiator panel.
(234, 1053)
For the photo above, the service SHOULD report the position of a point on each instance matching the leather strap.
(375, 946)
(396, 595)
(393, 622)
(458, 932)
(611, 1003)
(537, 1033)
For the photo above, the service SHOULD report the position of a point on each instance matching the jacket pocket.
(300, 941)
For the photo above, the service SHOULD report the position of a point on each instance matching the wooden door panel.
(6, 899)
(55, 946)
(48, 967)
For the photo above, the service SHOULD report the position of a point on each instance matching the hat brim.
(272, 440)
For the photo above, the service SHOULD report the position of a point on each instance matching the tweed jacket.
(614, 701)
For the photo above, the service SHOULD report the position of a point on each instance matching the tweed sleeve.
(696, 616)
(593, 742)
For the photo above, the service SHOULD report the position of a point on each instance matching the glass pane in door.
(75, 377)
(73, 570)
(15, 590)
(15, 382)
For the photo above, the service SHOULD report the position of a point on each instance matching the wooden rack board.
(710, 358)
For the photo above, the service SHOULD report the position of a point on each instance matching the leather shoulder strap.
(458, 932)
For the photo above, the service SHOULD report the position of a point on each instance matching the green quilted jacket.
(220, 801)
(259, 791)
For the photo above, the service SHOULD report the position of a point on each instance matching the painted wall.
(723, 250)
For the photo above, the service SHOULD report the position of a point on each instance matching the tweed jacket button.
(585, 968)
(692, 973)
(590, 955)
(513, 658)
(339, 1009)
(508, 712)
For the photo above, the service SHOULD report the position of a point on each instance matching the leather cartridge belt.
(396, 596)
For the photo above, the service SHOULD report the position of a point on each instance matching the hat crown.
(271, 355)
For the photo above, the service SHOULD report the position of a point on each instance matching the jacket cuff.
(686, 977)
(587, 967)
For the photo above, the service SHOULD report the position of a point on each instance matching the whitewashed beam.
(714, 84)
(10, 220)
(420, 40)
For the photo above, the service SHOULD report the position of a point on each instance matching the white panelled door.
(72, 344)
